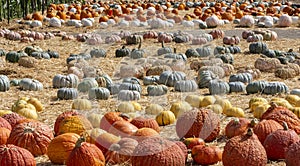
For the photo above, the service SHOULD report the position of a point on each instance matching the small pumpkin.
(157, 90)
(236, 126)
(165, 118)
(153, 109)
(99, 93)
(105, 140)
(141, 122)
(178, 108)
(194, 100)
(206, 155)
(81, 104)
(67, 93)
(31, 84)
(4, 83)
(235, 112)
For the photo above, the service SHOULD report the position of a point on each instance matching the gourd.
(206, 155)
(176, 56)
(157, 90)
(217, 33)
(285, 21)
(169, 78)
(113, 39)
(165, 118)
(27, 61)
(4, 83)
(237, 126)
(231, 40)
(186, 86)
(292, 154)
(266, 127)
(68, 81)
(14, 56)
(178, 108)
(130, 86)
(226, 57)
(31, 84)
(40, 55)
(212, 21)
(150, 80)
(67, 93)
(122, 129)
(194, 100)
(134, 39)
(141, 122)
(74, 124)
(98, 93)
(191, 53)
(204, 51)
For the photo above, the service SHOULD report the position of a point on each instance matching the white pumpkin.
(55, 22)
(212, 21)
(285, 20)
(247, 21)
(36, 23)
(86, 22)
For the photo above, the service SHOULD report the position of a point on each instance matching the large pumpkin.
(266, 127)
(203, 123)
(236, 126)
(292, 154)
(111, 117)
(61, 146)
(61, 117)
(157, 151)
(4, 135)
(10, 154)
(13, 118)
(74, 124)
(31, 135)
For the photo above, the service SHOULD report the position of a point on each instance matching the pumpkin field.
(142, 83)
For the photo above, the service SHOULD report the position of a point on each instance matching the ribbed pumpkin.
(13, 118)
(4, 135)
(206, 155)
(194, 100)
(74, 124)
(85, 154)
(278, 142)
(141, 122)
(105, 140)
(111, 117)
(81, 104)
(165, 118)
(154, 109)
(236, 126)
(180, 107)
(203, 123)
(244, 150)
(5, 124)
(31, 135)
(144, 133)
(157, 151)
(266, 127)
(61, 146)
(121, 151)
(61, 117)
(122, 128)
(292, 155)
(10, 154)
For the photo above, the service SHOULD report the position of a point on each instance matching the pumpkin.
(199, 41)
(256, 86)
(194, 100)
(235, 112)
(157, 90)
(5, 124)
(141, 122)
(186, 86)
(98, 93)
(202, 123)
(241, 77)
(150, 80)
(244, 150)
(206, 155)
(205, 77)
(122, 128)
(207, 100)
(212, 21)
(130, 86)
(266, 127)
(36, 103)
(95, 119)
(281, 114)
(122, 52)
(31, 84)
(277, 143)
(144, 133)
(178, 108)
(13, 118)
(74, 124)
(137, 53)
(237, 126)
(204, 51)
(255, 38)
(121, 151)
(68, 81)
(258, 47)
(260, 109)
(292, 154)
(165, 118)
(285, 20)
(14, 56)
(226, 57)
(134, 39)
(4, 83)
(84, 151)
(81, 104)
(105, 140)
(153, 109)
(4, 135)
(216, 108)
(60, 147)
(217, 33)
(157, 151)
(218, 87)
(87, 84)
(127, 95)
(231, 40)
(224, 103)
(97, 53)
(247, 21)
(169, 78)
(31, 135)
(9, 154)
(67, 93)
(275, 87)
(237, 86)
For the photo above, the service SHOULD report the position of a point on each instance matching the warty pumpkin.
(10, 153)
(266, 127)
(237, 126)
(74, 124)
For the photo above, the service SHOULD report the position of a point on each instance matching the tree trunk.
(8, 10)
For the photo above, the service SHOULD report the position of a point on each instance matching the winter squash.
(157, 151)
(176, 56)
(224, 103)
(121, 151)
(153, 109)
(105, 140)
(137, 53)
(242, 77)
(122, 128)
(127, 95)
(206, 155)
(111, 117)
(234, 111)
(292, 154)
(13, 118)
(81, 104)
(144, 133)
(74, 124)
(275, 87)
(84, 151)
(4, 135)
(226, 57)
(164, 50)
(141, 122)
(9, 154)
(4, 83)
(60, 147)
(247, 21)
(244, 150)
(98, 93)
(27, 61)
(231, 40)
(87, 84)
(14, 56)
(178, 108)
(5, 124)
(260, 109)
(193, 141)
(266, 127)
(67, 93)
(150, 80)
(31, 84)
(217, 87)
(38, 133)
(198, 122)
(277, 143)
(186, 86)
(194, 100)
(165, 118)
(130, 86)
(237, 126)
(134, 39)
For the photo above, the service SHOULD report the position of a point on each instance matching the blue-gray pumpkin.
(2, 52)
(137, 53)
(258, 47)
(104, 80)
(164, 50)
(186, 86)
(99, 93)
(218, 87)
(204, 51)
(132, 80)
(275, 88)
(53, 54)
(114, 88)
(68, 81)
(226, 57)
(31, 84)
(241, 77)
(295, 92)
(13, 56)
(87, 84)
(130, 86)
(157, 90)
(169, 78)
(256, 86)
(176, 56)
(237, 86)
(98, 53)
(4, 83)
(40, 55)
(67, 93)
(204, 77)
(122, 52)
(30, 49)
(150, 80)
(128, 95)
(191, 53)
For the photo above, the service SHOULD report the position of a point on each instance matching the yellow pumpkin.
(137, 106)
(194, 100)
(154, 109)
(74, 124)
(256, 104)
(36, 103)
(292, 99)
(260, 110)
(180, 107)
(91, 135)
(235, 112)
(207, 100)
(165, 118)
(20, 104)
(216, 108)
(4, 112)
(28, 113)
(82, 104)
(224, 103)
(282, 102)
(126, 107)
(255, 99)
(296, 111)
(95, 119)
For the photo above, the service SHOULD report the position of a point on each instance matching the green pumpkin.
(256, 87)
(164, 50)
(97, 53)
(182, 39)
(237, 87)
(275, 88)
(14, 56)
(99, 93)
(53, 54)
(221, 50)
(204, 51)
(191, 53)
(258, 47)
(130, 86)
(137, 53)
(87, 84)
(157, 90)
(4, 83)
(31, 84)
(122, 52)
(30, 49)
(105, 79)
(67, 93)
(234, 49)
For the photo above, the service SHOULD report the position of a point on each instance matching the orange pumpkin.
(61, 117)
(4, 134)
(227, 16)
(105, 140)
(206, 155)
(103, 19)
(61, 15)
(111, 117)
(12, 155)
(74, 124)
(122, 128)
(37, 16)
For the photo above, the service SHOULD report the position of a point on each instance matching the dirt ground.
(45, 70)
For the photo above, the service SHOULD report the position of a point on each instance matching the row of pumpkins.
(118, 138)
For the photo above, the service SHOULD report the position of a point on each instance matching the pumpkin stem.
(123, 47)
(273, 105)
(249, 132)
(79, 141)
(285, 126)
(140, 44)
(174, 50)
(162, 44)
(236, 121)
(253, 122)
